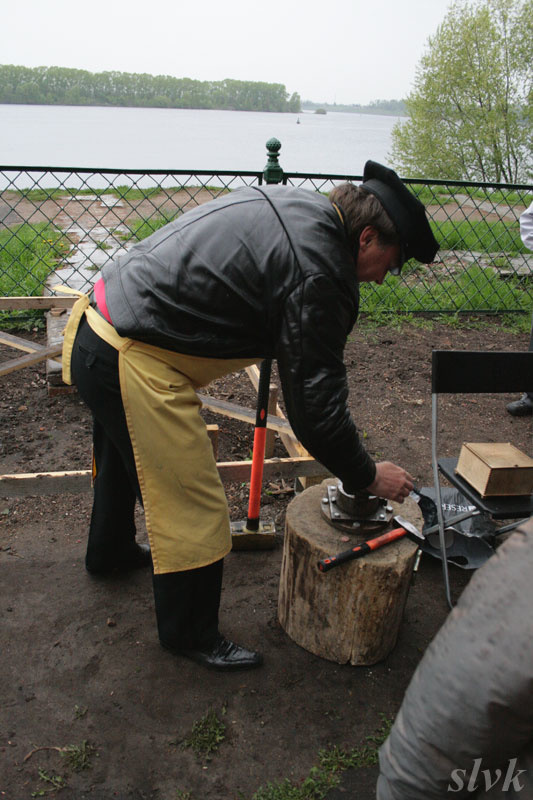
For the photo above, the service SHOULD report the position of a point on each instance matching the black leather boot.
(225, 656)
(522, 407)
(186, 605)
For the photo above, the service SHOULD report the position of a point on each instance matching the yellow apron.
(184, 502)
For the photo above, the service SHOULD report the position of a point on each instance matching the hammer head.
(411, 529)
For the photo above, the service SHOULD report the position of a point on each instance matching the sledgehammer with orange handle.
(256, 534)
(360, 550)
(258, 455)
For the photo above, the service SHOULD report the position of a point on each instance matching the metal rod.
(436, 481)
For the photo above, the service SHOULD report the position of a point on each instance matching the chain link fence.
(61, 225)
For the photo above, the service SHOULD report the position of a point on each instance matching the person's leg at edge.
(523, 407)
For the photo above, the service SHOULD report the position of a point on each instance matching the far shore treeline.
(77, 87)
(393, 108)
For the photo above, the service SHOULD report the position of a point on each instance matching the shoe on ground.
(224, 656)
(138, 557)
(522, 407)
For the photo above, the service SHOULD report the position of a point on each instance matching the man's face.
(374, 260)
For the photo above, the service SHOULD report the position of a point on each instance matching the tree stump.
(353, 612)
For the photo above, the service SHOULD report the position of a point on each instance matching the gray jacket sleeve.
(471, 696)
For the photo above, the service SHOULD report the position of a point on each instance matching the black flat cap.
(405, 210)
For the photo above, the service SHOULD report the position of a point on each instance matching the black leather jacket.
(260, 272)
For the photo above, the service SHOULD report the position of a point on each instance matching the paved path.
(95, 245)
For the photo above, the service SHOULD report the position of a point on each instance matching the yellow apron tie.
(69, 334)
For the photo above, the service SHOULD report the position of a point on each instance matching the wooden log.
(351, 614)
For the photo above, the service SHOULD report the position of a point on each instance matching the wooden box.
(496, 469)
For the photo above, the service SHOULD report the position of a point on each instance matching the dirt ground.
(80, 656)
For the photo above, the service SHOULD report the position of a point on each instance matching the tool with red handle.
(258, 455)
(256, 534)
(360, 550)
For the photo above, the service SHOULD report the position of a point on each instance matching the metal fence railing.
(59, 225)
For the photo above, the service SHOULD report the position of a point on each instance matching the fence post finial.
(272, 172)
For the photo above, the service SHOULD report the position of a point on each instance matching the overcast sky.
(344, 51)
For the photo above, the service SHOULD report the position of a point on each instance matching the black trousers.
(187, 602)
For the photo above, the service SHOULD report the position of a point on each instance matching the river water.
(154, 138)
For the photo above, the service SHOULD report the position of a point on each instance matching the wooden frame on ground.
(299, 464)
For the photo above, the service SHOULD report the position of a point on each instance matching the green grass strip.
(123, 192)
(141, 228)
(28, 254)
(479, 236)
(326, 775)
(472, 290)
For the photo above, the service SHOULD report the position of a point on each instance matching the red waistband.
(99, 296)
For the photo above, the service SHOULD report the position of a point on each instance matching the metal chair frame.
(464, 372)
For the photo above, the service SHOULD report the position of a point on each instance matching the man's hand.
(391, 482)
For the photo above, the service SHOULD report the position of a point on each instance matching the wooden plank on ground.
(290, 442)
(32, 358)
(45, 483)
(287, 468)
(42, 303)
(19, 344)
(245, 414)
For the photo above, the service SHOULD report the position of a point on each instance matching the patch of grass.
(53, 782)
(314, 787)
(433, 195)
(131, 195)
(23, 321)
(80, 711)
(479, 236)
(441, 195)
(127, 193)
(141, 228)
(515, 323)
(206, 735)
(473, 290)
(40, 195)
(28, 254)
(326, 775)
(500, 196)
(78, 756)
(511, 323)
